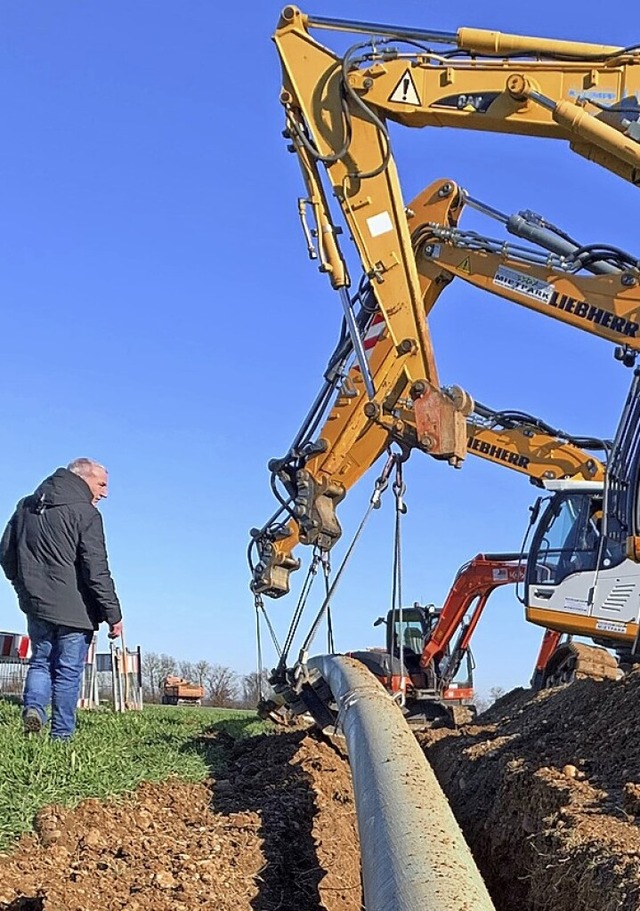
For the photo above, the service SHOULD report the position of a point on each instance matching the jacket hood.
(62, 488)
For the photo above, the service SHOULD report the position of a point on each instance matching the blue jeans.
(58, 656)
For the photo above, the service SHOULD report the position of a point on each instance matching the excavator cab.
(414, 629)
(578, 580)
(441, 690)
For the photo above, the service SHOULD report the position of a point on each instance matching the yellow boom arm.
(373, 209)
(582, 93)
(605, 305)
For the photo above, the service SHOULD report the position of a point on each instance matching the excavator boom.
(583, 93)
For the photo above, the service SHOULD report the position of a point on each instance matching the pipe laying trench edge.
(414, 857)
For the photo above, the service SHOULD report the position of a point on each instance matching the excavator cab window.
(410, 632)
(413, 637)
(568, 539)
(463, 676)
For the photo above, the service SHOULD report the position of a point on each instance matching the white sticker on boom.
(610, 626)
(576, 606)
(522, 283)
(379, 224)
(406, 92)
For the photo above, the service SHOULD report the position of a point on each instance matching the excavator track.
(575, 661)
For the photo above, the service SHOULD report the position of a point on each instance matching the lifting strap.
(326, 569)
(259, 607)
(399, 489)
(379, 487)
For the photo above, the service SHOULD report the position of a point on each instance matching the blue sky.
(159, 313)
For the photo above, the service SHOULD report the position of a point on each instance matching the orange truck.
(178, 691)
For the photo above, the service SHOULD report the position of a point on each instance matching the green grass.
(110, 754)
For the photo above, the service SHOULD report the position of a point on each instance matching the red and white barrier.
(14, 646)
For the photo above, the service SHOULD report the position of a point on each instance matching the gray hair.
(84, 467)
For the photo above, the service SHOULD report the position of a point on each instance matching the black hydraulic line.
(347, 64)
(514, 419)
(532, 227)
(594, 253)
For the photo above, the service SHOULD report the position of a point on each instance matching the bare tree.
(168, 665)
(151, 676)
(201, 670)
(222, 685)
(185, 669)
(254, 685)
(482, 703)
(154, 668)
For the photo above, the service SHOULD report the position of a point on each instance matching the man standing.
(53, 552)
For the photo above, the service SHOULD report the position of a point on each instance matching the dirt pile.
(547, 791)
(546, 788)
(277, 832)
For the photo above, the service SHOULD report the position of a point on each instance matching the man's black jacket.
(54, 554)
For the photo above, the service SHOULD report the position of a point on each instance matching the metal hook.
(399, 489)
(382, 482)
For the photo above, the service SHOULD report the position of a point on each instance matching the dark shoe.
(32, 722)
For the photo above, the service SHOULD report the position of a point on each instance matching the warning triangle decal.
(465, 266)
(405, 92)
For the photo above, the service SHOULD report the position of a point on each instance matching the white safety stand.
(89, 696)
(126, 672)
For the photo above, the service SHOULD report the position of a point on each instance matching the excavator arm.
(467, 598)
(372, 207)
(583, 93)
(532, 447)
(605, 304)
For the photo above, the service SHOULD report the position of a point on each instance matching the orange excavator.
(428, 662)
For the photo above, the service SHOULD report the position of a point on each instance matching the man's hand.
(115, 630)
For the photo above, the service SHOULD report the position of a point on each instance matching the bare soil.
(547, 791)
(546, 788)
(277, 833)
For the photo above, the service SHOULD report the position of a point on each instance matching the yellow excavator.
(336, 109)
(337, 105)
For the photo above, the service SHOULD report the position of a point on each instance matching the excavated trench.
(546, 789)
